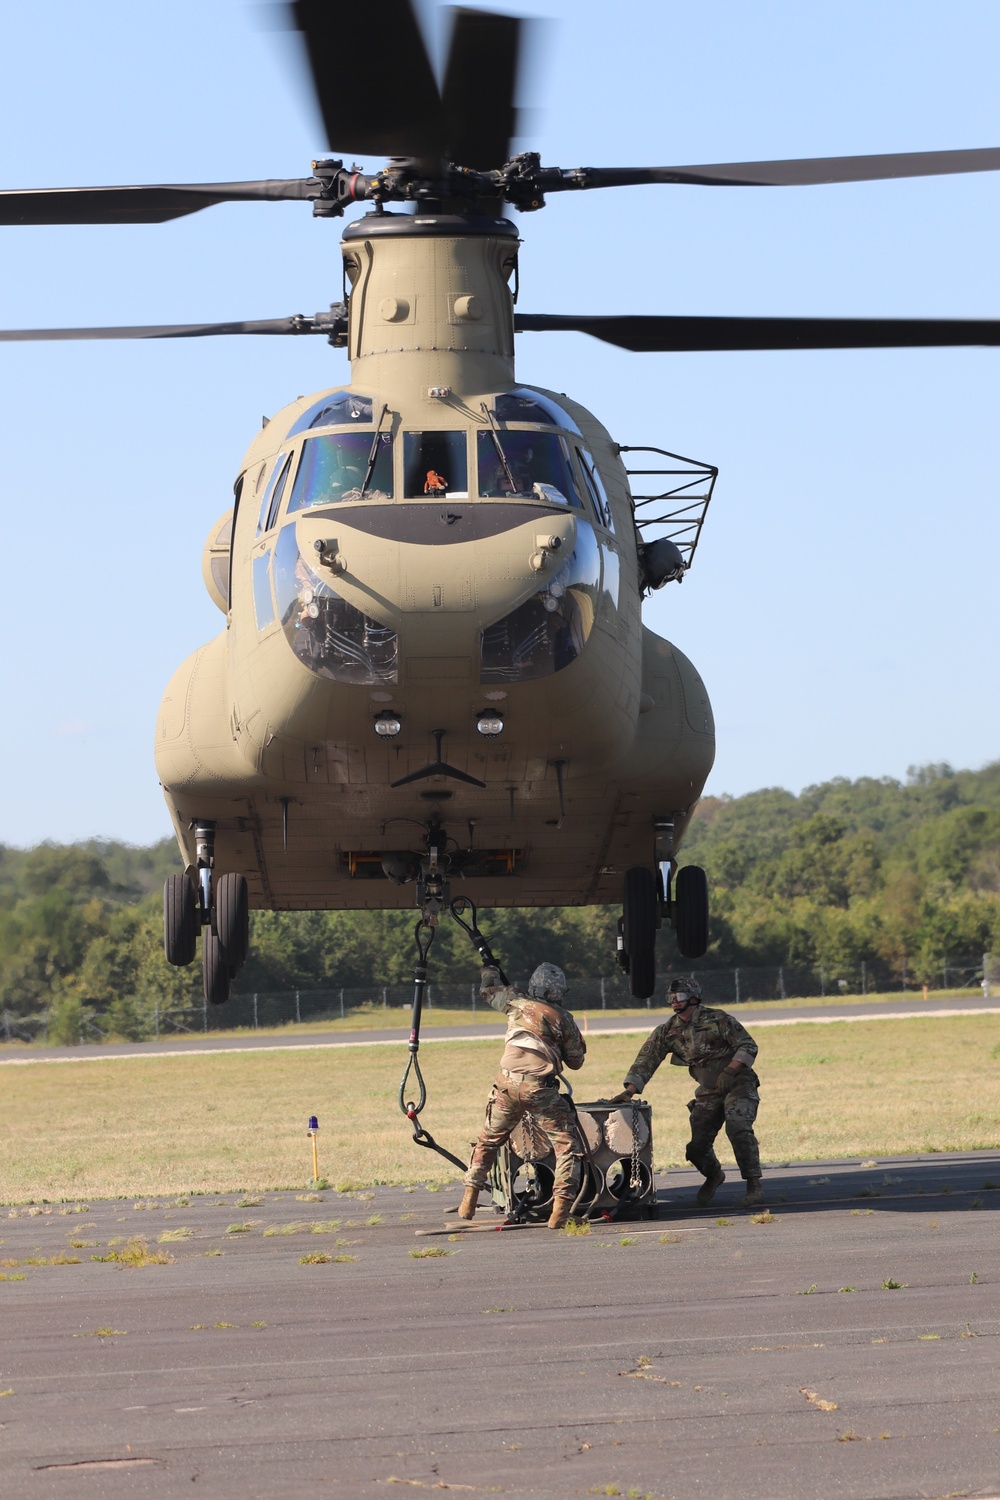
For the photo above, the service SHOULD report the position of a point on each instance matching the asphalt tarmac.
(847, 1346)
(609, 1022)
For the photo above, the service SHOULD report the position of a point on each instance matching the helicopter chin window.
(550, 629)
(326, 633)
(335, 467)
(334, 411)
(526, 465)
(435, 466)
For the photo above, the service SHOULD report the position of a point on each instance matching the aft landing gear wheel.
(639, 910)
(691, 911)
(232, 919)
(180, 921)
(215, 971)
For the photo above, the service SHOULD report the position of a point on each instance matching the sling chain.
(636, 1181)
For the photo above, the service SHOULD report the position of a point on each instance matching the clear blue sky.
(843, 607)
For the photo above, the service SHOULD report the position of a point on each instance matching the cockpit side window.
(336, 468)
(435, 466)
(598, 494)
(525, 464)
(273, 493)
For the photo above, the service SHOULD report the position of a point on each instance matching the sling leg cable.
(424, 937)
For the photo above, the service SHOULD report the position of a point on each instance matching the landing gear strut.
(217, 907)
(637, 931)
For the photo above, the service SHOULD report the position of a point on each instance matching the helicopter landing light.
(387, 725)
(490, 725)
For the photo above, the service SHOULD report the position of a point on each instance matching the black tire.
(215, 971)
(180, 921)
(232, 919)
(691, 911)
(639, 930)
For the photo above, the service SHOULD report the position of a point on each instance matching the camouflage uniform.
(541, 1039)
(706, 1045)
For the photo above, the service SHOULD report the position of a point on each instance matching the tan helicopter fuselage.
(405, 548)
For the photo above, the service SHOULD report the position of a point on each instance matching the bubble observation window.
(435, 466)
(333, 411)
(549, 630)
(328, 635)
(523, 405)
(526, 465)
(343, 466)
(273, 493)
(263, 604)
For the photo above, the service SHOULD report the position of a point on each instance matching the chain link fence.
(390, 1004)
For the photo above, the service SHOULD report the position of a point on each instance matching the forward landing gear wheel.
(215, 971)
(180, 921)
(639, 909)
(691, 911)
(232, 919)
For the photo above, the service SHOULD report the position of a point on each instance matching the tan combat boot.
(467, 1207)
(561, 1210)
(754, 1193)
(706, 1192)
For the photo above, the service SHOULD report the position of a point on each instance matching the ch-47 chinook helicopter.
(434, 671)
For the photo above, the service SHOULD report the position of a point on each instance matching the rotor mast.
(431, 308)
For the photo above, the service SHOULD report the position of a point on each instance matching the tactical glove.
(724, 1082)
(622, 1098)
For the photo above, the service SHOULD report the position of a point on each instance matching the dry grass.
(237, 1121)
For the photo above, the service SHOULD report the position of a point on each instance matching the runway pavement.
(847, 1346)
(608, 1022)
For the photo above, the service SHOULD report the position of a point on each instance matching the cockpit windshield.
(525, 464)
(524, 405)
(336, 467)
(333, 411)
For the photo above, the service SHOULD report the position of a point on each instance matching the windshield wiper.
(373, 454)
(495, 435)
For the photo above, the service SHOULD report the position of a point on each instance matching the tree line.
(902, 873)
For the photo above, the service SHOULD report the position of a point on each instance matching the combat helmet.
(548, 982)
(684, 984)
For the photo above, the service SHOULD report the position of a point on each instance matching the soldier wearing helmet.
(542, 1038)
(719, 1054)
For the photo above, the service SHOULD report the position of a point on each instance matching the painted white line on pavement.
(213, 1051)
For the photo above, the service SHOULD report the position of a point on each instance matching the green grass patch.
(96, 1129)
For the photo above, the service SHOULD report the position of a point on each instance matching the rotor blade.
(140, 205)
(703, 334)
(295, 324)
(479, 87)
(794, 173)
(376, 93)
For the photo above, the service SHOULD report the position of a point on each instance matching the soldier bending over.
(719, 1054)
(542, 1038)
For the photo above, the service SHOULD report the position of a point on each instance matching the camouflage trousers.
(737, 1110)
(507, 1105)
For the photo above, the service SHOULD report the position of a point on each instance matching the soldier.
(541, 1039)
(719, 1054)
